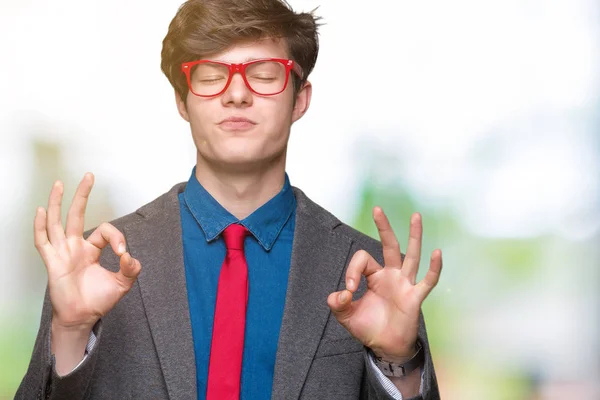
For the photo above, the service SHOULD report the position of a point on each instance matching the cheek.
(280, 115)
(200, 116)
(277, 131)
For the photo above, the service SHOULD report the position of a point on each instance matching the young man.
(234, 284)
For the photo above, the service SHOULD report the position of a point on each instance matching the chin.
(242, 159)
(237, 158)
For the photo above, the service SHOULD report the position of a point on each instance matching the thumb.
(340, 304)
(129, 270)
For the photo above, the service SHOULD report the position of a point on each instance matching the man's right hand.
(81, 290)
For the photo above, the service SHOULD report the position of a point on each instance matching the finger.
(105, 234)
(410, 266)
(433, 275)
(362, 263)
(129, 269)
(76, 215)
(56, 234)
(341, 305)
(40, 236)
(391, 248)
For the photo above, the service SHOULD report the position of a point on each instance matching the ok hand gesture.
(386, 317)
(81, 290)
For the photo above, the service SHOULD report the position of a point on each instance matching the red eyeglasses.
(264, 77)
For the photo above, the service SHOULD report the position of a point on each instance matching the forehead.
(252, 50)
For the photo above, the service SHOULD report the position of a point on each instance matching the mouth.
(236, 123)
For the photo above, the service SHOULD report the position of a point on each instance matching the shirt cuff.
(88, 348)
(387, 384)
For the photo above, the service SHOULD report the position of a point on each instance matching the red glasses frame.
(289, 65)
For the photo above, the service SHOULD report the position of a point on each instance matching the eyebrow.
(246, 59)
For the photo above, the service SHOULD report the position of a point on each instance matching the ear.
(181, 107)
(302, 101)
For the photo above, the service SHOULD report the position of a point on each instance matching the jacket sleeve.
(41, 381)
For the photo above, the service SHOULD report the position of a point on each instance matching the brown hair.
(204, 27)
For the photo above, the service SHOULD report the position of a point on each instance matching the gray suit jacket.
(144, 347)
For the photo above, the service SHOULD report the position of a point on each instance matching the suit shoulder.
(320, 215)
(159, 205)
(362, 240)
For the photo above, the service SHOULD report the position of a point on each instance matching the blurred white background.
(484, 114)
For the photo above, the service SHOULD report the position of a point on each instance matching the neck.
(241, 190)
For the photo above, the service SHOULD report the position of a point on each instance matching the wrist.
(69, 342)
(72, 331)
(401, 366)
(399, 356)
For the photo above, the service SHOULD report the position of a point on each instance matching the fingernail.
(350, 284)
(122, 248)
(342, 297)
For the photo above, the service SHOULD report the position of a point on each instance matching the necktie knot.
(234, 236)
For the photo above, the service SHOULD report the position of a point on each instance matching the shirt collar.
(265, 223)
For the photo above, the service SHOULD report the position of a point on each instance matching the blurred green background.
(488, 124)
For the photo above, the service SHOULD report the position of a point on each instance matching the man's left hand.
(386, 317)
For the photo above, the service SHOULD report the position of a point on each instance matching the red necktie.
(227, 346)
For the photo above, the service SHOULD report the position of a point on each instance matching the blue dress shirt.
(268, 251)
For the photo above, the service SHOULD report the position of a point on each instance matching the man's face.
(240, 130)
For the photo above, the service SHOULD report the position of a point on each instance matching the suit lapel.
(157, 243)
(319, 256)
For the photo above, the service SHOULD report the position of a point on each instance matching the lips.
(238, 119)
(236, 123)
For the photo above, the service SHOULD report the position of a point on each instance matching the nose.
(237, 93)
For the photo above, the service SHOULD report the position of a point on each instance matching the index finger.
(76, 215)
(391, 247)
